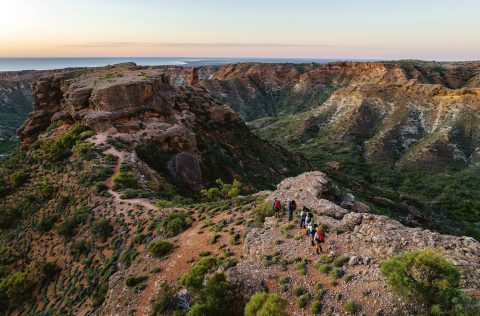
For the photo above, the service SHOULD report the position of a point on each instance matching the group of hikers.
(314, 231)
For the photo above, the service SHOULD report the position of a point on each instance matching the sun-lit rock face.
(182, 124)
(412, 115)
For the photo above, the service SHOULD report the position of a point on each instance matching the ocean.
(16, 64)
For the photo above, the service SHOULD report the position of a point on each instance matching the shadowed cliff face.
(181, 132)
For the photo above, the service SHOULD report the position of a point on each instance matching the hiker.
(309, 217)
(319, 238)
(292, 206)
(277, 206)
(303, 216)
(311, 230)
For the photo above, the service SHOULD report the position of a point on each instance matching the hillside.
(102, 211)
(100, 148)
(402, 130)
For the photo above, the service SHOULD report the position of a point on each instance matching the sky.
(341, 29)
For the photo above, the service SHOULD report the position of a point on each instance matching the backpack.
(278, 206)
(294, 205)
(320, 235)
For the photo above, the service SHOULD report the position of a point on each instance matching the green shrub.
(79, 247)
(129, 194)
(216, 298)
(316, 307)
(160, 248)
(50, 270)
(134, 280)
(125, 180)
(351, 307)
(205, 253)
(46, 222)
(194, 279)
(70, 223)
(324, 268)
(262, 211)
(298, 290)
(222, 190)
(166, 302)
(45, 189)
(19, 177)
(265, 304)
(61, 148)
(303, 300)
(426, 277)
(102, 229)
(15, 289)
(175, 223)
(340, 262)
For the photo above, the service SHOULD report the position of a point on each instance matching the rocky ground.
(271, 254)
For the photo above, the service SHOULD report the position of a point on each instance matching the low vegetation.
(265, 304)
(428, 279)
(160, 248)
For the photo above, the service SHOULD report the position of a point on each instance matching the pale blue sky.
(380, 29)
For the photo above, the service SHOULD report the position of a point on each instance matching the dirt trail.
(100, 139)
(187, 248)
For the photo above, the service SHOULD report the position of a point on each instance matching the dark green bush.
(15, 289)
(175, 223)
(262, 211)
(61, 148)
(46, 222)
(125, 180)
(194, 279)
(70, 223)
(166, 302)
(102, 229)
(427, 278)
(216, 298)
(134, 280)
(265, 304)
(79, 247)
(352, 307)
(50, 270)
(160, 248)
(19, 177)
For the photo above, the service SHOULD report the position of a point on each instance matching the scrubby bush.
(102, 229)
(262, 211)
(160, 248)
(125, 180)
(298, 290)
(166, 302)
(129, 194)
(9, 216)
(303, 300)
(426, 277)
(50, 270)
(15, 289)
(61, 148)
(134, 280)
(45, 189)
(316, 307)
(351, 307)
(222, 190)
(175, 223)
(46, 222)
(79, 247)
(194, 279)
(70, 223)
(216, 298)
(265, 304)
(19, 177)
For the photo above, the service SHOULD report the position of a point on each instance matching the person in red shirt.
(277, 206)
(319, 238)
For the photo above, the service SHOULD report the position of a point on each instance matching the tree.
(222, 190)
